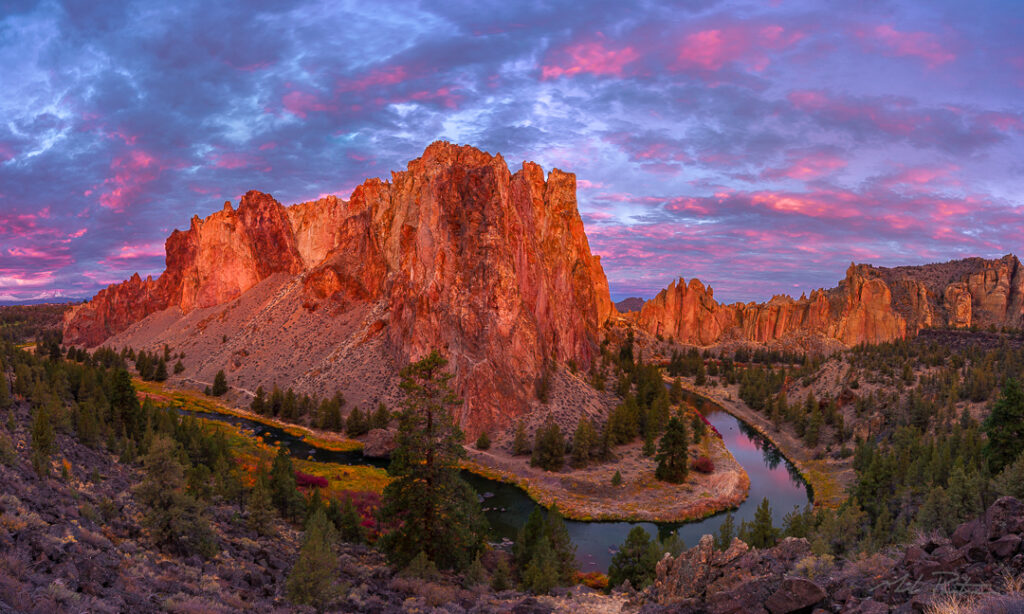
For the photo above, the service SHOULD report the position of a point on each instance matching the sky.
(761, 146)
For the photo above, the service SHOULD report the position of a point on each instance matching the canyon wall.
(870, 305)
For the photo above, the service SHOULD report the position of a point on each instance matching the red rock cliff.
(872, 305)
(454, 253)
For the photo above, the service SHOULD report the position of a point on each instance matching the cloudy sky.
(761, 146)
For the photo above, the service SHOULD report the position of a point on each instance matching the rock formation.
(454, 253)
(871, 305)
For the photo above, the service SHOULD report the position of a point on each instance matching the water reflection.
(507, 507)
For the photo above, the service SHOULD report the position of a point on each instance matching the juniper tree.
(548, 447)
(428, 506)
(635, 560)
(220, 384)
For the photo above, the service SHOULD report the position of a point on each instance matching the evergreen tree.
(635, 561)
(1010, 482)
(350, 523)
(673, 453)
(42, 441)
(529, 535)
(561, 545)
(356, 424)
(760, 533)
(548, 447)
(173, 518)
(220, 384)
(259, 402)
(648, 448)
(583, 441)
(261, 505)
(161, 371)
(312, 579)
(520, 443)
(702, 375)
(429, 506)
(617, 478)
(483, 442)
(5, 393)
(726, 531)
(541, 573)
(1005, 427)
(381, 417)
(501, 579)
(283, 490)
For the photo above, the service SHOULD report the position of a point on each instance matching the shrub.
(304, 480)
(483, 442)
(703, 464)
(617, 479)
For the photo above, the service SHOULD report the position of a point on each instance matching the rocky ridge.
(455, 253)
(870, 305)
(983, 558)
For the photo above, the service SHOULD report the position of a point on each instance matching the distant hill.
(633, 303)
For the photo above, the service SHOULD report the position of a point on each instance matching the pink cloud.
(592, 57)
(380, 77)
(807, 166)
(923, 176)
(233, 160)
(923, 45)
(751, 45)
(128, 254)
(301, 104)
(131, 173)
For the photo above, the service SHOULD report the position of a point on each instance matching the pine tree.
(350, 523)
(356, 424)
(1005, 427)
(520, 443)
(261, 505)
(173, 518)
(5, 393)
(220, 384)
(635, 561)
(483, 442)
(617, 478)
(1010, 482)
(541, 573)
(430, 507)
(312, 579)
(283, 490)
(583, 441)
(527, 539)
(761, 533)
(561, 545)
(501, 579)
(673, 453)
(161, 371)
(381, 417)
(548, 447)
(726, 531)
(259, 402)
(42, 441)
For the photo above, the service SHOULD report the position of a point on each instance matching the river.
(507, 507)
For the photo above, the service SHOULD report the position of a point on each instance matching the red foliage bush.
(703, 464)
(304, 480)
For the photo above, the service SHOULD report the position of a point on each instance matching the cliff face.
(454, 253)
(872, 305)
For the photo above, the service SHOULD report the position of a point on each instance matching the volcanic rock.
(455, 253)
(870, 305)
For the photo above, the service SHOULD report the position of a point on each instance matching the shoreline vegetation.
(828, 480)
(582, 494)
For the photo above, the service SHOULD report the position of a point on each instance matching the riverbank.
(587, 494)
(198, 402)
(828, 478)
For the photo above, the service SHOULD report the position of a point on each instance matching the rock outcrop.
(871, 305)
(455, 253)
(787, 578)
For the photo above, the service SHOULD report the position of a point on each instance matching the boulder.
(795, 595)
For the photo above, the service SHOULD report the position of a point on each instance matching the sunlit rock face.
(870, 305)
(455, 253)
